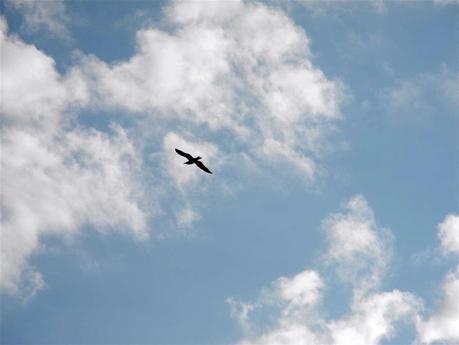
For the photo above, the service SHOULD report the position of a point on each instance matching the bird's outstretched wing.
(184, 154)
(203, 167)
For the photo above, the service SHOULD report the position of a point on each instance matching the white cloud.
(56, 177)
(403, 95)
(358, 248)
(450, 86)
(371, 319)
(441, 326)
(374, 318)
(186, 217)
(293, 305)
(445, 2)
(325, 7)
(51, 15)
(29, 75)
(448, 232)
(277, 151)
(302, 289)
(56, 184)
(207, 73)
(241, 311)
(260, 95)
(320, 7)
(418, 96)
(294, 301)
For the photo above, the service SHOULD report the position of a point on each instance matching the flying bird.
(192, 160)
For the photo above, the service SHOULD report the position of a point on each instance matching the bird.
(192, 160)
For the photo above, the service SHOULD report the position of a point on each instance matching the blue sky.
(332, 132)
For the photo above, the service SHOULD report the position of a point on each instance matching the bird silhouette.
(192, 160)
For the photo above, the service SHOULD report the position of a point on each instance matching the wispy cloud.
(186, 217)
(445, 2)
(321, 8)
(50, 15)
(377, 6)
(412, 99)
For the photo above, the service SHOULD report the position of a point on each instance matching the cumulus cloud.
(227, 95)
(56, 176)
(302, 289)
(55, 185)
(292, 307)
(293, 300)
(358, 249)
(441, 326)
(49, 15)
(30, 75)
(448, 232)
(375, 318)
(207, 73)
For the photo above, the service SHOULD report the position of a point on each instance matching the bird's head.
(198, 157)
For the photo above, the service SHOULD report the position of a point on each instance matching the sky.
(331, 129)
